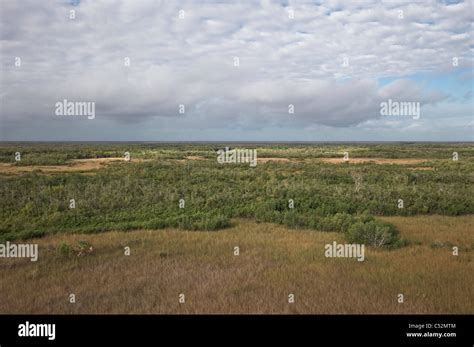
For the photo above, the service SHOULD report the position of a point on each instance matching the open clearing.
(273, 262)
(75, 165)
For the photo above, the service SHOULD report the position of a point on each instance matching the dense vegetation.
(59, 153)
(146, 194)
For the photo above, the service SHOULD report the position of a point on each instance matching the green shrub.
(64, 249)
(294, 220)
(142, 195)
(83, 248)
(374, 233)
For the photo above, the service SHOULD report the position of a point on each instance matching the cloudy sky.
(236, 68)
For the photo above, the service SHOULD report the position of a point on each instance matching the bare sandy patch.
(74, 165)
(188, 158)
(195, 157)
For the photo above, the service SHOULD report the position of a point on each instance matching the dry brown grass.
(423, 168)
(265, 160)
(273, 262)
(393, 161)
(397, 161)
(429, 230)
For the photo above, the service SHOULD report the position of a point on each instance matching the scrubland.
(182, 214)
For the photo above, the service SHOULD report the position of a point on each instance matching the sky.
(231, 71)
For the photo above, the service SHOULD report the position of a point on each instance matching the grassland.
(190, 250)
(273, 262)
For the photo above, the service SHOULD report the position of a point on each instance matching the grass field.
(273, 262)
(190, 250)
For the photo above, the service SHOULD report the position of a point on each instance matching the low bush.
(374, 233)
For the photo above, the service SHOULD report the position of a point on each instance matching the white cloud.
(190, 61)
